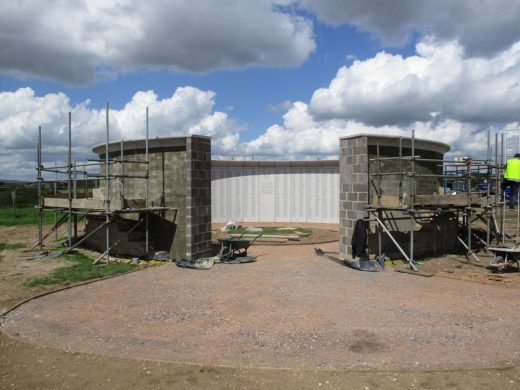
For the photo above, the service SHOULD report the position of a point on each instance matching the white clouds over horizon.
(463, 77)
(302, 137)
(80, 41)
(439, 81)
(439, 92)
(188, 111)
(76, 41)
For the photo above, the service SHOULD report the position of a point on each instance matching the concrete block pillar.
(353, 195)
(198, 197)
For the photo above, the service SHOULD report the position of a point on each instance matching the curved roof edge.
(392, 140)
(274, 163)
(153, 143)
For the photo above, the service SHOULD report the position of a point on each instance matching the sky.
(266, 79)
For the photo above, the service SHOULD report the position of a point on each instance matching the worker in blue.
(512, 179)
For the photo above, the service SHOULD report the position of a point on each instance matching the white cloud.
(188, 111)
(439, 80)
(482, 27)
(302, 137)
(71, 41)
(78, 41)
(438, 92)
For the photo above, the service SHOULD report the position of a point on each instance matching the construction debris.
(204, 263)
(362, 265)
(292, 237)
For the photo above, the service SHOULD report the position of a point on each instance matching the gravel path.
(289, 309)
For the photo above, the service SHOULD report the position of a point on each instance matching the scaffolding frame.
(466, 171)
(108, 212)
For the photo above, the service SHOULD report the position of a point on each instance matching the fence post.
(13, 197)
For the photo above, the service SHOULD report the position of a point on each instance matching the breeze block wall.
(198, 197)
(359, 187)
(179, 177)
(353, 183)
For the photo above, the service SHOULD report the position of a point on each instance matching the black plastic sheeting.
(208, 262)
(377, 265)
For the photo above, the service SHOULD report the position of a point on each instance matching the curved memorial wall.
(275, 191)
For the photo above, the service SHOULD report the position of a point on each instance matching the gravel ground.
(290, 309)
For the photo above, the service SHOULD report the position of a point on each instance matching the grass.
(274, 231)
(81, 270)
(24, 216)
(4, 246)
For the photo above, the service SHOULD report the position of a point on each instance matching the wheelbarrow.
(504, 258)
(234, 247)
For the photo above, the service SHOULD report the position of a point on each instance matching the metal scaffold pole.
(412, 199)
(107, 187)
(147, 165)
(55, 194)
(122, 190)
(468, 208)
(379, 193)
(40, 200)
(503, 195)
(75, 195)
(69, 181)
(488, 189)
(497, 170)
(400, 170)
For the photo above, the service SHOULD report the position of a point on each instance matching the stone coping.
(389, 140)
(153, 143)
(274, 163)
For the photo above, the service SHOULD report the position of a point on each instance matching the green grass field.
(4, 246)
(82, 269)
(24, 216)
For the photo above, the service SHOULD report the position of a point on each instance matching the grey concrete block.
(352, 214)
(352, 196)
(358, 206)
(362, 196)
(361, 178)
(360, 168)
(360, 187)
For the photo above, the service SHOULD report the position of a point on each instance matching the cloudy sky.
(274, 79)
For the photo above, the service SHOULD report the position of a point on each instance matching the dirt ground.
(315, 324)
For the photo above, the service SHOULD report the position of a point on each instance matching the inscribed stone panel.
(282, 194)
(235, 194)
(298, 195)
(250, 196)
(266, 194)
(314, 195)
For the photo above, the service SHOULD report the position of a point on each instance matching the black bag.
(359, 240)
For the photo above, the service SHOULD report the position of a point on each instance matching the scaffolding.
(109, 208)
(475, 197)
